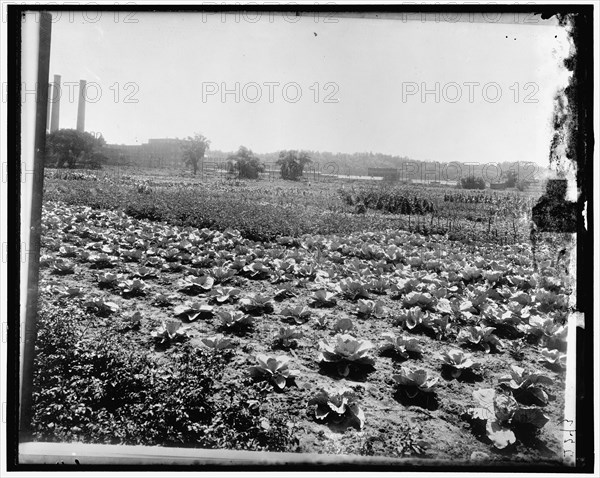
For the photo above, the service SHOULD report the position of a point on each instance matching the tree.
(194, 149)
(472, 182)
(292, 163)
(70, 148)
(246, 162)
(511, 179)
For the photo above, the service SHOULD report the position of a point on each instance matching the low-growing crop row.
(351, 334)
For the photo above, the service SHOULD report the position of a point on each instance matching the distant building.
(157, 152)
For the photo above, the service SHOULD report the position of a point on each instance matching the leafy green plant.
(400, 346)
(502, 414)
(458, 362)
(323, 298)
(256, 270)
(285, 291)
(414, 382)
(479, 336)
(222, 274)
(526, 386)
(132, 287)
(195, 285)
(370, 308)
(62, 266)
(144, 272)
(109, 279)
(164, 300)
(419, 299)
(101, 307)
(273, 369)
(554, 358)
(353, 290)
(409, 318)
(379, 286)
(170, 331)
(235, 321)
(256, 304)
(222, 295)
(286, 337)
(343, 325)
(190, 311)
(337, 406)
(297, 315)
(217, 343)
(546, 332)
(348, 352)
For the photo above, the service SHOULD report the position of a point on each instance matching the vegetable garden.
(324, 332)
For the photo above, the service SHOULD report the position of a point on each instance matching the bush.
(391, 200)
(248, 165)
(97, 389)
(472, 182)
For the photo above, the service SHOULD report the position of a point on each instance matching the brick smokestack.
(81, 107)
(55, 102)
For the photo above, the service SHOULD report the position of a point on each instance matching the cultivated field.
(321, 317)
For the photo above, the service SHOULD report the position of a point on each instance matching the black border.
(582, 94)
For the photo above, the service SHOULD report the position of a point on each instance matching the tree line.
(69, 148)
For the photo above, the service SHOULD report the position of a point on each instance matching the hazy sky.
(345, 85)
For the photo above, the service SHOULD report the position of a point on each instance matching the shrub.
(101, 391)
(472, 182)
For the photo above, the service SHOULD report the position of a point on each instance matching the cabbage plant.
(195, 285)
(222, 274)
(145, 272)
(343, 325)
(285, 291)
(256, 270)
(133, 287)
(273, 369)
(480, 336)
(100, 306)
(414, 382)
(236, 320)
(298, 314)
(546, 332)
(109, 279)
(347, 352)
(102, 260)
(554, 358)
(337, 406)
(286, 337)
(410, 318)
(192, 310)
(163, 300)
(419, 299)
(221, 295)
(370, 308)
(62, 266)
(352, 289)
(257, 304)
(502, 414)
(525, 385)
(399, 345)
(169, 331)
(323, 298)
(458, 362)
(379, 286)
(217, 342)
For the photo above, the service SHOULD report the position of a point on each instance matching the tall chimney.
(81, 107)
(55, 101)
